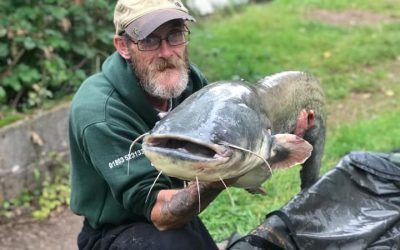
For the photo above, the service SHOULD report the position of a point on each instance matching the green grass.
(392, 6)
(267, 38)
(377, 134)
(8, 116)
(262, 39)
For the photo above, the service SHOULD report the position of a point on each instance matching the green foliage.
(53, 196)
(48, 47)
(15, 206)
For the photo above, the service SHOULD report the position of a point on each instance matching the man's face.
(163, 72)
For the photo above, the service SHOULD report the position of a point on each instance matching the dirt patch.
(362, 106)
(365, 105)
(351, 17)
(58, 232)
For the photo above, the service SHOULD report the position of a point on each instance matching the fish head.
(195, 139)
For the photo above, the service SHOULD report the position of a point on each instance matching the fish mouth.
(186, 149)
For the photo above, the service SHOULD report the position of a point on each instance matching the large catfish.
(233, 129)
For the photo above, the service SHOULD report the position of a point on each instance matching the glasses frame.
(186, 33)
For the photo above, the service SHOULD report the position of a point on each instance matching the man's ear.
(121, 46)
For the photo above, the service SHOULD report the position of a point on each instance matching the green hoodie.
(107, 113)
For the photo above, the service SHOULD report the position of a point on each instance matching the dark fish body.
(200, 138)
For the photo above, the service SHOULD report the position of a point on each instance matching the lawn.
(353, 47)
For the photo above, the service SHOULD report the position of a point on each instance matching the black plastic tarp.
(356, 205)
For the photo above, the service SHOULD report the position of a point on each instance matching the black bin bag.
(356, 205)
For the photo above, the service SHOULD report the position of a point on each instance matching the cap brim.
(143, 26)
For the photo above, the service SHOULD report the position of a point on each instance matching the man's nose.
(165, 49)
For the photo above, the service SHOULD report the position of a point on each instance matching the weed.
(55, 190)
(51, 193)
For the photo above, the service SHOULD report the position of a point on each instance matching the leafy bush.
(47, 47)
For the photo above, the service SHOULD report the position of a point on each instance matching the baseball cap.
(139, 18)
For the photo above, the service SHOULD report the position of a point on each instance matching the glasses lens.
(154, 42)
(177, 38)
(149, 43)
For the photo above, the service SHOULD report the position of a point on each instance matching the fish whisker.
(229, 193)
(249, 151)
(152, 185)
(131, 146)
(198, 192)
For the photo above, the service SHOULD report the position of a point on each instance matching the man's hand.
(305, 121)
(176, 207)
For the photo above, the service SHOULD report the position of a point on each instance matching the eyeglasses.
(175, 38)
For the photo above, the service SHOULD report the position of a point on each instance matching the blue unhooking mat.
(356, 205)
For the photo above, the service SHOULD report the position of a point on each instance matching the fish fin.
(257, 190)
(288, 150)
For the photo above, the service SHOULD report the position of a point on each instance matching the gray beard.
(147, 76)
(156, 89)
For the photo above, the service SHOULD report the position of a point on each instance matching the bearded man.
(148, 75)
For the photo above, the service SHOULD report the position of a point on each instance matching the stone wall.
(27, 147)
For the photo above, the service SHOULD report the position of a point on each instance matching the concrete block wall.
(26, 147)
